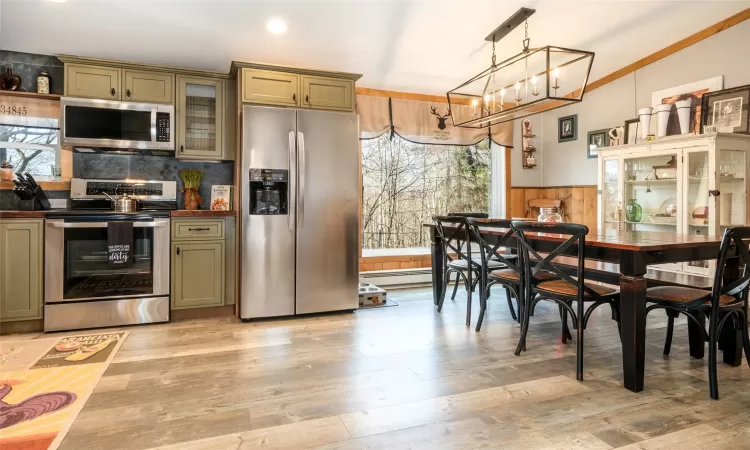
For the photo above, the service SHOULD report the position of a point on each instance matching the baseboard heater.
(398, 278)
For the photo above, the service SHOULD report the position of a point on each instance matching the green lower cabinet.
(21, 269)
(197, 274)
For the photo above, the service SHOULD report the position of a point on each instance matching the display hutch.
(687, 184)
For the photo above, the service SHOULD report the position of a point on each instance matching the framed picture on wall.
(567, 128)
(596, 140)
(727, 110)
(631, 131)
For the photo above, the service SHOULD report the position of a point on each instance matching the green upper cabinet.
(270, 88)
(327, 93)
(197, 274)
(89, 81)
(21, 259)
(147, 87)
(200, 109)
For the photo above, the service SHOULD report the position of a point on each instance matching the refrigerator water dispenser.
(268, 191)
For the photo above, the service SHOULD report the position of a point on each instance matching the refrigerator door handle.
(301, 199)
(292, 216)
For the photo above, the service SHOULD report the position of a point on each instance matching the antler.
(449, 113)
(433, 110)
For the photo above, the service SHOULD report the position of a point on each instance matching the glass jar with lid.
(551, 215)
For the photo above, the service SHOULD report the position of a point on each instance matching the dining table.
(630, 253)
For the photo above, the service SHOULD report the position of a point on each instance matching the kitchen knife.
(31, 181)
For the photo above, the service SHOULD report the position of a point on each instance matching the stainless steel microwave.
(117, 125)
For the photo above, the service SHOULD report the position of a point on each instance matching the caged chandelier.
(535, 80)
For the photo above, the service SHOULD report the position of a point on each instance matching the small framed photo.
(631, 131)
(726, 111)
(567, 128)
(596, 140)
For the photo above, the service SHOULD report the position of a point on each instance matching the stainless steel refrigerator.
(299, 214)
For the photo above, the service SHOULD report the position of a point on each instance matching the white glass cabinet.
(688, 184)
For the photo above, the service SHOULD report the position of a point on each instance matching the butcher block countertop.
(203, 213)
(22, 214)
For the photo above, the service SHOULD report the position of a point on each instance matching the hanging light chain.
(493, 51)
(526, 39)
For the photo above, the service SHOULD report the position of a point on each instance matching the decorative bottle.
(42, 83)
(633, 211)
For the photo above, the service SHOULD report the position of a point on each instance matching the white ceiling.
(427, 46)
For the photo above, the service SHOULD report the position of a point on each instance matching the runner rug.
(45, 382)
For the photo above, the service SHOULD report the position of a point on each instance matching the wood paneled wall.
(579, 202)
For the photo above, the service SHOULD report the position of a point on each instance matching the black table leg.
(633, 318)
(730, 340)
(436, 253)
(697, 335)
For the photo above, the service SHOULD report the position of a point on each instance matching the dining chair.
(478, 215)
(499, 231)
(567, 289)
(454, 235)
(725, 301)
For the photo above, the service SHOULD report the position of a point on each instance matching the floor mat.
(45, 382)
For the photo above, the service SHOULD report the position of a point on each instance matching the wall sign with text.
(13, 110)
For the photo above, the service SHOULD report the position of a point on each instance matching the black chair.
(489, 252)
(566, 290)
(508, 277)
(474, 215)
(467, 215)
(454, 233)
(725, 301)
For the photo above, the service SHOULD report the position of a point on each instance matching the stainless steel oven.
(83, 290)
(117, 125)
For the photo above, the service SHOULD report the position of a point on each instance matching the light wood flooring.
(402, 378)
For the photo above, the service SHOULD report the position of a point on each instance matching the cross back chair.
(466, 215)
(567, 289)
(511, 273)
(725, 301)
(454, 234)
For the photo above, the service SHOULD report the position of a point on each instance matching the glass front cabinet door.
(200, 117)
(610, 200)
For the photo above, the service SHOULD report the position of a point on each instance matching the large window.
(31, 149)
(404, 184)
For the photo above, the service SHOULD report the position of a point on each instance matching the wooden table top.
(641, 241)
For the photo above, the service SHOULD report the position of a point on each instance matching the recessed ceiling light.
(58, 1)
(276, 26)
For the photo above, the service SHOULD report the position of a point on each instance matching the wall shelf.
(53, 97)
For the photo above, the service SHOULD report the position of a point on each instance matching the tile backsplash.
(148, 167)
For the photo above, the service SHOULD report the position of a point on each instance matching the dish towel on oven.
(120, 243)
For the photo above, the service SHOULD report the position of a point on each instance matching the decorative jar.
(550, 215)
(633, 211)
(42, 83)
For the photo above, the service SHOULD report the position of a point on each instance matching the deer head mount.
(441, 119)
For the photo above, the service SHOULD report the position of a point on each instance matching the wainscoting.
(579, 202)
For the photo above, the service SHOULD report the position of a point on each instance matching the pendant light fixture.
(535, 80)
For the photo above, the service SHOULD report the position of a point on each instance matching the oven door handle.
(105, 224)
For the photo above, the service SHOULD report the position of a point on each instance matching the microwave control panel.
(162, 127)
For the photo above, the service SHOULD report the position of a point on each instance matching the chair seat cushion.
(512, 275)
(683, 295)
(562, 287)
(460, 264)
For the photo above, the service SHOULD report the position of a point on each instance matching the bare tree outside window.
(405, 183)
(29, 149)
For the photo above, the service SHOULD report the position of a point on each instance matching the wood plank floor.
(401, 378)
